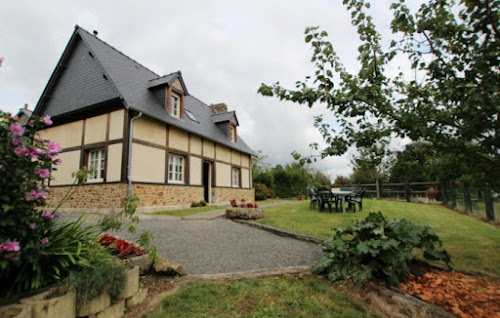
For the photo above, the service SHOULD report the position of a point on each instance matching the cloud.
(225, 50)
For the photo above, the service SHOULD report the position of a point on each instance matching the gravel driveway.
(223, 246)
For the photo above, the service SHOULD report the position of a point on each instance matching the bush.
(195, 204)
(261, 191)
(375, 247)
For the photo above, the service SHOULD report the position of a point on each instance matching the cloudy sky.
(224, 48)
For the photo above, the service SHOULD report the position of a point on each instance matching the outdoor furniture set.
(323, 197)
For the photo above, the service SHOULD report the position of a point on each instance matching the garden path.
(211, 244)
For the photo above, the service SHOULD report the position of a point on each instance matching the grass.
(191, 211)
(294, 296)
(472, 244)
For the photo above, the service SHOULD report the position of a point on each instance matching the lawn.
(293, 296)
(472, 244)
(191, 211)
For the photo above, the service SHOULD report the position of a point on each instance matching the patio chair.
(313, 197)
(345, 189)
(356, 198)
(326, 198)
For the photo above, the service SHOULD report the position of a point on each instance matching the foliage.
(120, 247)
(451, 101)
(114, 221)
(376, 247)
(413, 164)
(261, 191)
(145, 241)
(320, 179)
(291, 180)
(372, 162)
(342, 180)
(91, 282)
(35, 251)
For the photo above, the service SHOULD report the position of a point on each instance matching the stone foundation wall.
(104, 198)
(96, 198)
(224, 195)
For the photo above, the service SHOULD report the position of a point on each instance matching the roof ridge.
(165, 75)
(118, 51)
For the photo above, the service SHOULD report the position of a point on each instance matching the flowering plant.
(120, 247)
(34, 249)
(235, 204)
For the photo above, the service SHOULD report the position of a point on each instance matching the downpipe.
(129, 163)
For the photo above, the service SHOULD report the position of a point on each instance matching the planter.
(94, 306)
(142, 261)
(16, 311)
(244, 213)
(131, 283)
(53, 303)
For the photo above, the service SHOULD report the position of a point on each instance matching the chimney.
(219, 108)
(26, 106)
(95, 32)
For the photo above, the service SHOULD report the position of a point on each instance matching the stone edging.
(280, 232)
(250, 274)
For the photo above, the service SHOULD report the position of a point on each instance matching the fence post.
(378, 184)
(444, 196)
(488, 204)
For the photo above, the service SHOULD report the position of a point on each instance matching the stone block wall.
(97, 198)
(104, 198)
(224, 195)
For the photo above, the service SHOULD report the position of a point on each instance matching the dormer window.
(176, 105)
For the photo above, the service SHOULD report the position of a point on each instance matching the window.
(96, 164)
(233, 133)
(191, 115)
(176, 105)
(235, 177)
(175, 169)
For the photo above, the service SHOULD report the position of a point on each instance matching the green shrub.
(261, 191)
(376, 247)
(195, 204)
(203, 203)
(91, 282)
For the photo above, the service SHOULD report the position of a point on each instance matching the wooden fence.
(399, 190)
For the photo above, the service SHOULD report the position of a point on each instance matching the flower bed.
(120, 247)
(246, 211)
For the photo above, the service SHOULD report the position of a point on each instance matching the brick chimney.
(219, 108)
(25, 106)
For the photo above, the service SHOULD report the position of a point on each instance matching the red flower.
(120, 247)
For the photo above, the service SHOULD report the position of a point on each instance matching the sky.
(224, 48)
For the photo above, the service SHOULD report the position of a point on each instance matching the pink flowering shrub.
(35, 250)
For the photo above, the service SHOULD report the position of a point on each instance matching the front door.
(206, 181)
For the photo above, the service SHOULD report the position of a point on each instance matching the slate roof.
(124, 78)
(219, 118)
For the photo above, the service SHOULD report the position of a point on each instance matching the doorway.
(206, 181)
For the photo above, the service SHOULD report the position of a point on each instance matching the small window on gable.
(232, 133)
(175, 102)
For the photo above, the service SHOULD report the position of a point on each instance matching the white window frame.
(96, 160)
(175, 103)
(175, 173)
(235, 177)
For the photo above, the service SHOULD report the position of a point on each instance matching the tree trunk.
(378, 183)
(453, 195)
(407, 190)
(467, 199)
(488, 204)
(444, 196)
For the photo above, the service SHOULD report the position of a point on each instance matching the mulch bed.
(463, 295)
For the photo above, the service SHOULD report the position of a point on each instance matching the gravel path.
(222, 246)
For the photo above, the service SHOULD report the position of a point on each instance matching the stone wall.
(96, 198)
(224, 195)
(104, 198)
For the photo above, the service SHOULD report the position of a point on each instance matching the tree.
(452, 100)
(413, 164)
(342, 180)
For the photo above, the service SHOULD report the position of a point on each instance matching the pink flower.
(35, 195)
(32, 225)
(45, 241)
(48, 215)
(10, 247)
(15, 142)
(58, 161)
(21, 151)
(1, 61)
(53, 148)
(31, 123)
(46, 120)
(43, 173)
(17, 130)
(16, 118)
(35, 153)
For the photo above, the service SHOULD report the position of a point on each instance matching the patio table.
(342, 195)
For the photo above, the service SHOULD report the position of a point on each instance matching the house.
(141, 133)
